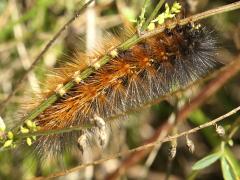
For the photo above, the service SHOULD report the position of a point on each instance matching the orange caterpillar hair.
(132, 78)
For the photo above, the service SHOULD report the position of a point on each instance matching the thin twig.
(150, 145)
(21, 48)
(37, 59)
(155, 150)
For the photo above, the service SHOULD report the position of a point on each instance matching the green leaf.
(226, 169)
(233, 162)
(206, 161)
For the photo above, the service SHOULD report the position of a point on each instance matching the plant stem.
(153, 15)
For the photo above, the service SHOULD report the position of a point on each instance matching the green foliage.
(206, 161)
(229, 164)
(226, 169)
(41, 4)
(167, 14)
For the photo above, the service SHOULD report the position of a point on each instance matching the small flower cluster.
(160, 19)
(8, 138)
(29, 127)
(167, 14)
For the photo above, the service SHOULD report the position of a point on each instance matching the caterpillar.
(132, 78)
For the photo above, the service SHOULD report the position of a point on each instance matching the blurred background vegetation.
(25, 28)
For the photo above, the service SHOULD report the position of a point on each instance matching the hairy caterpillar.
(150, 69)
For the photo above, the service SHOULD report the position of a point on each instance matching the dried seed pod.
(100, 123)
(101, 130)
(102, 137)
(82, 142)
(220, 130)
(190, 144)
(173, 149)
